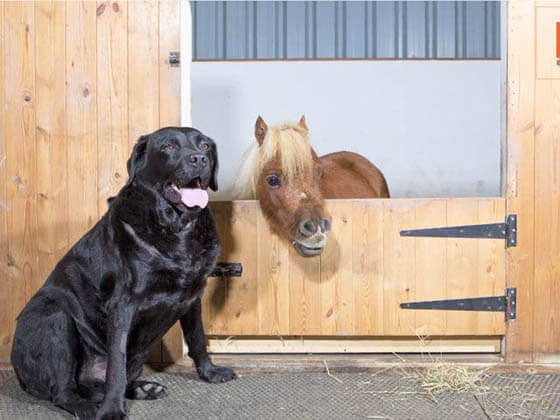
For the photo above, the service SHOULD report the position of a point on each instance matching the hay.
(444, 376)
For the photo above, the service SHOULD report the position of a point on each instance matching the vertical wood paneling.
(462, 265)
(431, 258)
(81, 123)
(143, 56)
(547, 219)
(50, 129)
(170, 115)
(305, 294)
(491, 267)
(398, 267)
(112, 99)
(242, 242)
(143, 82)
(520, 189)
(6, 315)
(356, 286)
(68, 83)
(21, 153)
(337, 286)
(273, 297)
(367, 266)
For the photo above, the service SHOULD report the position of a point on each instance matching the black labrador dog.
(82, 340)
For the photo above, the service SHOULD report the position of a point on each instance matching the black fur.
(81, 341)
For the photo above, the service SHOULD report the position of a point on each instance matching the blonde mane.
(287, 141)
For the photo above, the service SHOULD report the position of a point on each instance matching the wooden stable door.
(355, 288)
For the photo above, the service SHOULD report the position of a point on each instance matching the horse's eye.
(168, 147)
(205, 146)
(274, 181)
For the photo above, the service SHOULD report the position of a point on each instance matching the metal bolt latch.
(174, 58)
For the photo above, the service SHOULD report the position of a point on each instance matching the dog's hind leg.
(45, 357)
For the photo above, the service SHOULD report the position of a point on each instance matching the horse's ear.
(260, 130)
(302, 122)
(136, 159)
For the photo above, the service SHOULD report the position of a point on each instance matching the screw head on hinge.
(174, 58)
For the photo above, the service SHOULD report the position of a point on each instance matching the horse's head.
(288, 186)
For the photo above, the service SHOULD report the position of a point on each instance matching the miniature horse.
(291, 182)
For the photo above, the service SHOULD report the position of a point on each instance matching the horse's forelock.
(288, 142)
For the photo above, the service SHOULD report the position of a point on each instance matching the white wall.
(432, 127)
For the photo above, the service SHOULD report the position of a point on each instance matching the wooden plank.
(337, 286)
(143, 65)
(547, 222)
(81, 123)
(305, 294)
(431, 269)
(547, 68)
(143, 79)
(50, 94)
(21, 155)
(273, 293)
(367, 266)
(367, 345)
(491, 265)
(240, 311)
(462, 266)
(170, 115)
(398, 267)
(520, 174)
(112, 99)
(6, 316)
(214, 298)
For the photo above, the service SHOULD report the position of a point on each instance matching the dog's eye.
(168, 147)
(274, 180)
(205, 146)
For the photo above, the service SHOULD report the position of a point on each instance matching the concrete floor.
(383, 395)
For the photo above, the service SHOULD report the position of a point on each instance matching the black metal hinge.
(227, 270)
(507, 304)
(507, 231)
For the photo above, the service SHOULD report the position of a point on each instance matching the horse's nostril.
(307, 227)
(326, 225)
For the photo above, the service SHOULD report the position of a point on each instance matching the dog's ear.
(214, 176)
(137, 158)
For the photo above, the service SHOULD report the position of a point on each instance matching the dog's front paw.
(214, 374)
(112, 415)
(112, 412)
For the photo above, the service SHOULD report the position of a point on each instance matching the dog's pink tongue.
(194, 197)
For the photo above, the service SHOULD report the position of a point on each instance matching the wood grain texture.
(431, 259)
(21, 154)
(520, 186)
(112, 99)
(6, 315)
(358, 283)
(547, 220)
(81, 124)
(398, 267)
(170, 115)
(50, 131)
(367, 265)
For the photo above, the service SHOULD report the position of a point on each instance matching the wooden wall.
(533, 179)
(80, 81)
(367, 269)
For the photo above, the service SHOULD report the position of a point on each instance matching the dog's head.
(179, 162)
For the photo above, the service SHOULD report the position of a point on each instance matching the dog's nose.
(198, 160)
